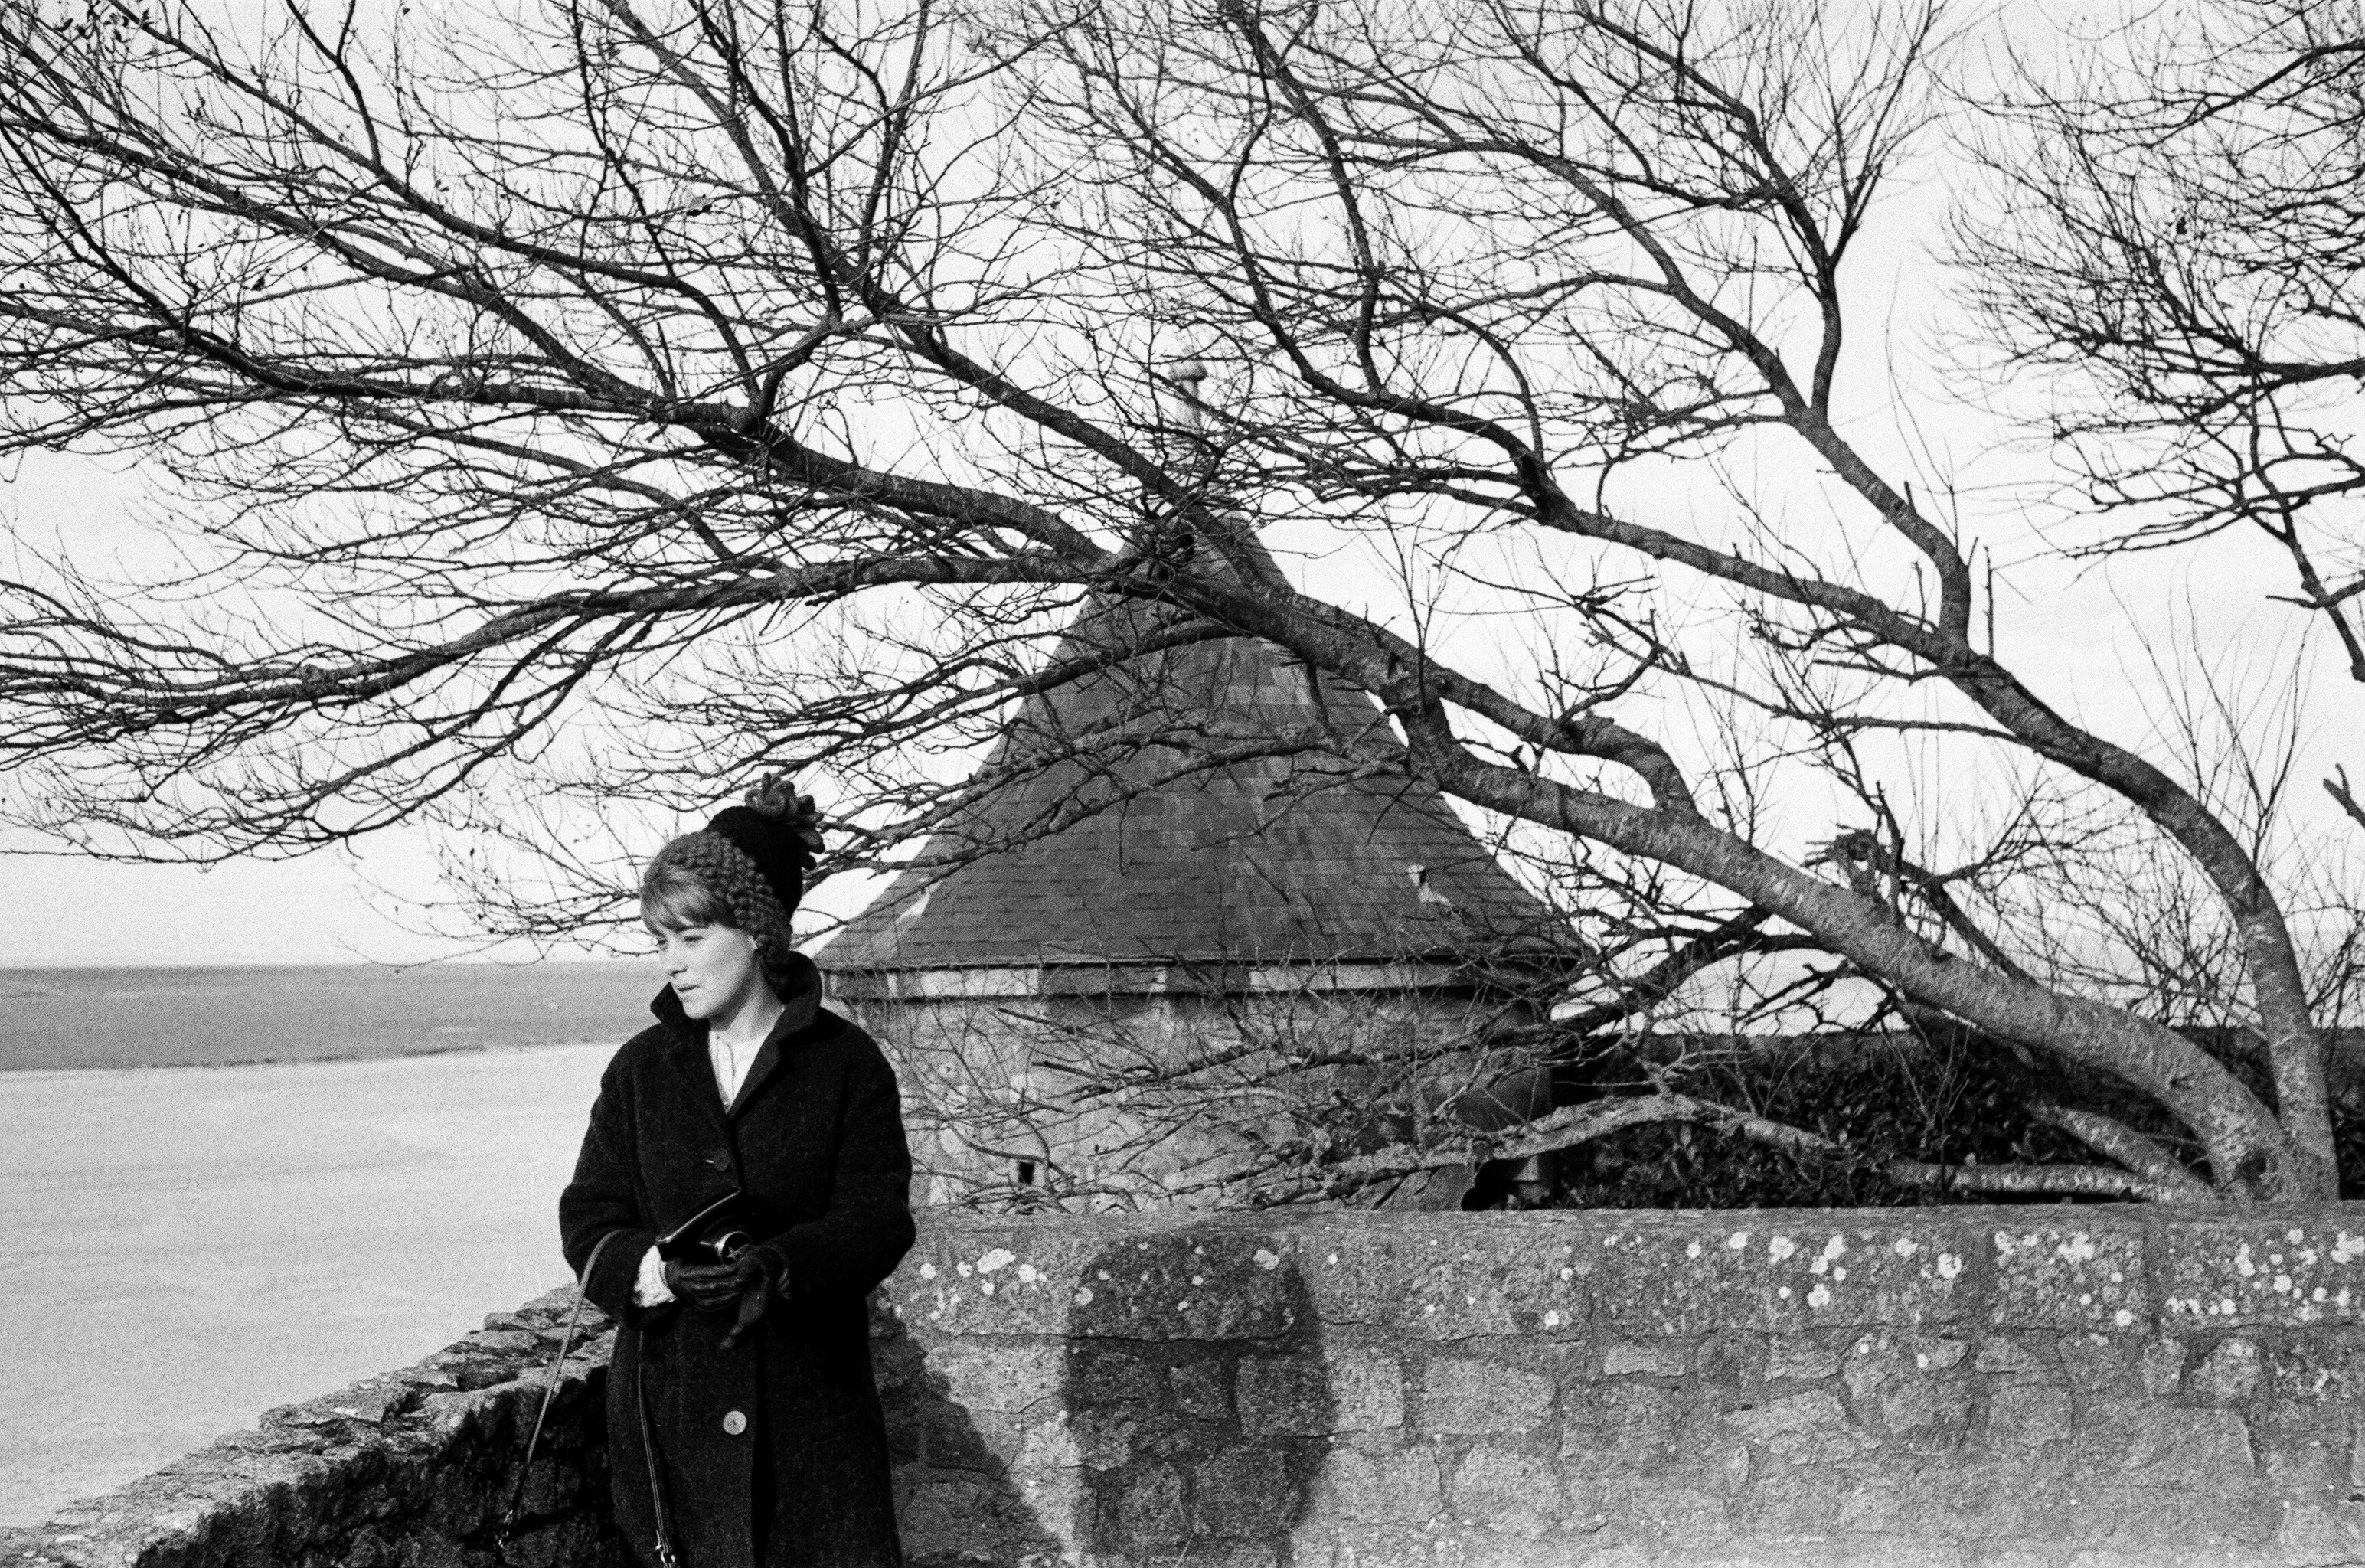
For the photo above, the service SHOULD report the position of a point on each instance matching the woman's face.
(712, 969)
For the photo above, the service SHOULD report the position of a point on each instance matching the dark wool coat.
(815, 1141)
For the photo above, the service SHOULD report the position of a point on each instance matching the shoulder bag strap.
(660, 1513)
(550, 1383)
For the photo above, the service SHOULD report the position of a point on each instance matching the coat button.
(734, 1422)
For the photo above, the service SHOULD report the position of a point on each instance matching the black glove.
(761, 1273)
(747, 1283)
(712, 1286)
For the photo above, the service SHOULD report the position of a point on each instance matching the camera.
(719, 1248)
(715, 1234)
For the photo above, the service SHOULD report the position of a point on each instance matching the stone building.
(1182, 873)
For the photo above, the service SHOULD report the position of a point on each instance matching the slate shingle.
(1120, 823)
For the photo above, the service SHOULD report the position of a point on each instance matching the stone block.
(1202, 1388)
(2102, 1363)
(980, 1439)
(376, 1399)
(1192, 1282)
(969, 1281)
(1908, 1386)
(1495, 1281)
(2163, 1447)
(2304, 1452)
(942, 1516)
(907, 1426)
(2323, 1535)
(1812, 1428)
(1344, 1544)
(1104, 1438)
(431, 1552)
(1659, 1280)
(1873, 1507)
(2008, 1358)
(1799, 1506)
(1246, 1491)
(1459, 1393)
(1233, 1554)
(1622, 1425)
(981, 1375)
(1776, 1272)
(1366, 1390)
(1510, 1489)
(551, 1485)
(1358, 1487)
(2135, 1545)
(2163, 1367)
(1149, 1511)
(1349, 1274)
(1473, 1545)
(2182, 1525)
(1180, 1441)
(1798, 1357)
(1110, 1375)
(1974, 1501)
(1240, 1555)
(949, 1438)
(2228, 1375)
(2024, 1416)
(1286, 1396)
(2327, 1366)
(1731, 1477)
(2065, 1276)
(2238, 1273)
(1648, 1357)
(1725, 1365)
(1886, 1355)
(1889, 1551)
(1651, 1511)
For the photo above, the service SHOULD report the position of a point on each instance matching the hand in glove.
(749, 1281)
(711, 1286)
(762, 1273)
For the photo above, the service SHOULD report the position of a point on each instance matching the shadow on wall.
(1202, 1406)
(1180, 1413)
(957, 1501)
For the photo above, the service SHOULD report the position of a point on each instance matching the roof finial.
(1180, 407)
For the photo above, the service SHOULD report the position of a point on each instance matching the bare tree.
(663, 388)
(2168, 260)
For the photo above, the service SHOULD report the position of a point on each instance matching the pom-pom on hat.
(777, 829)
(754, 857)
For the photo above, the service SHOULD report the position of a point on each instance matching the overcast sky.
(2079, 634)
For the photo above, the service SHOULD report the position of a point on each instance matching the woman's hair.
(744, 871)
(675, 898)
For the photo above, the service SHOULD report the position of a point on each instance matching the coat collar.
(802, 995)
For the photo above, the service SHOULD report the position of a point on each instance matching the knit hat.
(753, 856)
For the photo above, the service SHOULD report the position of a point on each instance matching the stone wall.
(1966, 1386)
(980, 1041)
(412, 1469)
(2038, 1385)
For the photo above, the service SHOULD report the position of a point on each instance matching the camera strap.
(660, 1513)
(550, 1385)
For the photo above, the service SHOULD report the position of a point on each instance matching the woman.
(744, 1429)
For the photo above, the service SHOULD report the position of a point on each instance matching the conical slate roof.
(1105, 836)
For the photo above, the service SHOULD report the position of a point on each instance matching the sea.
(234, 1017)
(227, 1189)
